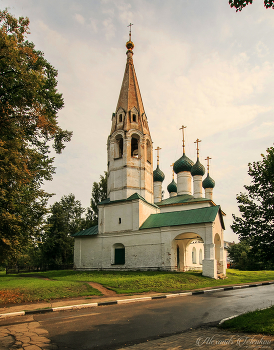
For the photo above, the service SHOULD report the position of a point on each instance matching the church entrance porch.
(189, 252)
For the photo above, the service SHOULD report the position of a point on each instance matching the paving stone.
(7, 341)
(32, 347)
(41, 331)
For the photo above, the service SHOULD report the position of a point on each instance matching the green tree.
(29, 103)
(240, 4)
(64, 220)
(241, 256)
(256, 223)
(98, 194)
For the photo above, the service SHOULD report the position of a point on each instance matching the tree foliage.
(242, 257)
(256, 223)
(240, 4)
(64, 220)
(98, 194)
(29, 103)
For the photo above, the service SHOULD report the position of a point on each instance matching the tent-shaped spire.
(130, 108)
(130, 95)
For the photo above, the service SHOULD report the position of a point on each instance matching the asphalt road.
(116, 326)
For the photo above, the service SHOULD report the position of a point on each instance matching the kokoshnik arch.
(137, 230)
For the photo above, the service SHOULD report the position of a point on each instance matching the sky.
(198, 63)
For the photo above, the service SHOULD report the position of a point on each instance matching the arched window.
(148, 151)
(120, 118)
(193, 255)
(134, 118)
(200, 257)
(119, 254)
(178, 258)
(135, 147)
(118, 147)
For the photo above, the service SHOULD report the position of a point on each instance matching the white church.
(137, 229)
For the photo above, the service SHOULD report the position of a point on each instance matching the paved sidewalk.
(30, 336)
(207, 338)
(25, 336)
(70, 302)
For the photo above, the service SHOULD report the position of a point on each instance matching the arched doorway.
(183, 245)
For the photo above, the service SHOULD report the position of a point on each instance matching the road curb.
(133, 300)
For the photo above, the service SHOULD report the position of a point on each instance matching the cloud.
(79, 18)
(109, 28)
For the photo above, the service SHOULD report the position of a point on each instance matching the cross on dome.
(172, 171)
(208, 158)
(130, 24)
(129, 44)
(157, 150)
(197, 141)
(183, 130)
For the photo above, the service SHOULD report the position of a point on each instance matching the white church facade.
(137, 229)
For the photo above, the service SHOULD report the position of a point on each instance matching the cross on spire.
(208, 158)
(197, 141)
(158, 149)
(130, 25)
(183, 128)
(172, 171)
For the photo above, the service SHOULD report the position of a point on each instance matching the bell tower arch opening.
(118, 147)
(135, 140)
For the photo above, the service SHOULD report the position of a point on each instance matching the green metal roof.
(185, 217)
(91, 231)
(130, 198)
(183, 198)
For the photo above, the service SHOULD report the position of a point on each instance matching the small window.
(120, 118)
(120, 220)
(194, 255)
(119, 256)
(134, 118)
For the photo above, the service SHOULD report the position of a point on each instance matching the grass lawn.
(157, 281)
(16, 289)
(68, 283)
(260, 322)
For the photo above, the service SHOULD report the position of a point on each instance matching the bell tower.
(129, 146)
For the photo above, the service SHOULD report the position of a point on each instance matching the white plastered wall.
(124, 216)
(149, 249)
(178, 207)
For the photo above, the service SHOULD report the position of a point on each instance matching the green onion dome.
(208, 182)
(198, 169)
(158, 175)
(172, 187)
(183, 164)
